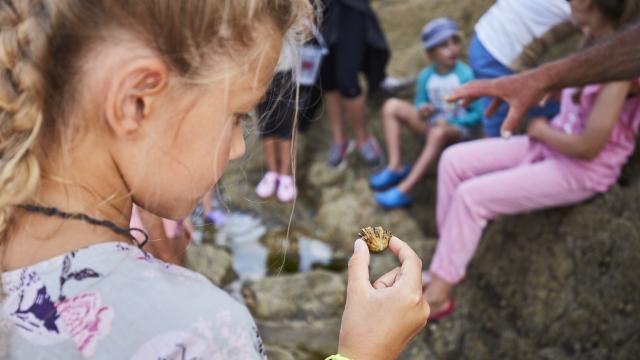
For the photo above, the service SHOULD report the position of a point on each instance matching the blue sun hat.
(438, 31)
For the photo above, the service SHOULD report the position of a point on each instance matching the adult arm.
(615, 59)
(602, 119)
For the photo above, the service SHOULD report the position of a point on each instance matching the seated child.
(440, 122)
(576, 156)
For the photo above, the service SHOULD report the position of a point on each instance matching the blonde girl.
(106, 103)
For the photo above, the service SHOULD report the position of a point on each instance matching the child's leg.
(511, 191)
(287, 190)
(269, 147)
(469, 159)
(333, 107)
(269, 183)
(356, 112)
(437, 137)
(284, 147)
(394, 112)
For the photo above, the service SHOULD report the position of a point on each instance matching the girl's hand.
(537, 128)
(379, 320)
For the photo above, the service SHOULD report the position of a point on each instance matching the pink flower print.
(85, 320)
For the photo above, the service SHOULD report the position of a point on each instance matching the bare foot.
(436, 305)
(436, 292)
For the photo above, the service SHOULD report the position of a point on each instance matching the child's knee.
(451, 158)
(467, 193)
(390, 108)
(437, 133)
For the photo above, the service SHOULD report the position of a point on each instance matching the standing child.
(104, 103)
(356, 46)
(577, 156)
(430, 115)
(277, 116)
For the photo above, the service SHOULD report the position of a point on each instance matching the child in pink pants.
(579, 154)
(480, 180)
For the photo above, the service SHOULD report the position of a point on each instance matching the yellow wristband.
(337, 357)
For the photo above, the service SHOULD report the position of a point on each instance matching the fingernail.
(359, 244)
(506, 134)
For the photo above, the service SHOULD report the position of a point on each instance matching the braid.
(23, 47)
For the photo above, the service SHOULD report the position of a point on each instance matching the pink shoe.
(287, 190)
(268, 185)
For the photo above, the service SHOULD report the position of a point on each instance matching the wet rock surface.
(213, 262)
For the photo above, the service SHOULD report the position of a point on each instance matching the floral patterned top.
(114, 301)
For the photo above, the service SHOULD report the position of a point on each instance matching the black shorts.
(345, 60)
(276, 113)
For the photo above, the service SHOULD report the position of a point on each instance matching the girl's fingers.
(387, 280)
(411, 266)
(358, 276)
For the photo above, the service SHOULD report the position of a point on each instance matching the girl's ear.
(132, 93)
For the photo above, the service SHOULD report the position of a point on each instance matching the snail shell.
(377, 238)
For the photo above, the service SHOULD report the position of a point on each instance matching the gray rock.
(343, 211)
(213, 262)
(313, 339)
(417, 350)
(317, 295)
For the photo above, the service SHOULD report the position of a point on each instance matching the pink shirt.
(603, 171)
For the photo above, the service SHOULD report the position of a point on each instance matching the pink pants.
(482, 179)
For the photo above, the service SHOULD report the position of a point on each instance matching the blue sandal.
(393, 199)
(388, 178)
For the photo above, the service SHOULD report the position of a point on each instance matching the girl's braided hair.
(43, 42)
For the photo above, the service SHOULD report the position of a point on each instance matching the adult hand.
(521, 91)
(537, 127)
(379, 320)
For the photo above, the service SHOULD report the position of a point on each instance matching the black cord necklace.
(55, 212)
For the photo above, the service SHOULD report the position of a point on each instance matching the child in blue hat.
(431, 115)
